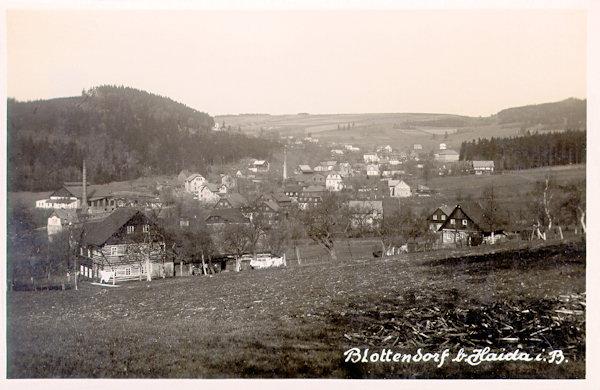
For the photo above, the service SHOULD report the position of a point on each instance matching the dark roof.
(98, 232)
(230, 215)
(475, 212)
(280, 197)
(235, 200)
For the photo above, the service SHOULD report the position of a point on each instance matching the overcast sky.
(460, 62)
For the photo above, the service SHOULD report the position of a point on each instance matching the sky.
(468, 62)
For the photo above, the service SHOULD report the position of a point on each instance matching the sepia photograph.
(271, 191)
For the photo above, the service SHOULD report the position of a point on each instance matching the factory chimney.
(84, 201)
(284, 164)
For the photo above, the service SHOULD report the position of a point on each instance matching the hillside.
(402, 130)
(123, 133)
(569, 114)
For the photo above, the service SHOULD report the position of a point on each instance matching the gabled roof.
(472, 210)
(279, 197)
(446, 209)
(396, 183)
(235, 200)
(272, 205)
(305, 168)
(317, 188)
(447, 152)
(211, 186)
(98, 232)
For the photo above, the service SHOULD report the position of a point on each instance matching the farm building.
(225, 216)
(259, 166)
(446, 155)
(370, 158)
(483, 167)
(125, 245)
(70, 197)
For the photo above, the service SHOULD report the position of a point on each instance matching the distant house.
(443, 146)
(194, 182)
(447, 155)
(59, 219)
(334, 182)
(438, 217)
(337, 152)
(310, 196)
(398, 189)
(370, 158)
(120, 247)
(365, 213)
(465, 225)
(304, 170)
(385, 149)
(282, 199)
(259, 166)
(208, 193)
(233, 201)
(417, 147)
(483, 167)
(293, 191)
(372, 170)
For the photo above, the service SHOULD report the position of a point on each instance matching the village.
(254, 217)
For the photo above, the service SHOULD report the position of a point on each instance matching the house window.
(435, 217)
(130, 229)
(114, 250)
(443, 217)
(146, 228)
(464, 222)
(128, 271)
(452, 221)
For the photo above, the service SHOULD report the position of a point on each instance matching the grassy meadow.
(298, 321)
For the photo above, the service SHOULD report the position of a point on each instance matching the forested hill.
(566, 114)
(123, 133)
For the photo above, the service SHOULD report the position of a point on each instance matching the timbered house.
(465, 225)
(437, 218)
(125, 245)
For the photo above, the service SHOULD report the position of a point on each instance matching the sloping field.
(299, 321)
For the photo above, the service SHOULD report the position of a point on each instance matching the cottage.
(398, 189)
(465, 225)
(209, 193)
(194, 182)
(333, 182)
(437, 218)
(125, 245)
(483, 167)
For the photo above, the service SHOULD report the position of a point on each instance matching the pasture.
(298, 321)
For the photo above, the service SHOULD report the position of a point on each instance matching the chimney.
(84, 202)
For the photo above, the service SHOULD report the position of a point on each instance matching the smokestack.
(84, 202)
(284, 164)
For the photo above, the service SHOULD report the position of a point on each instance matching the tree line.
(528, 151)
(123, 133)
